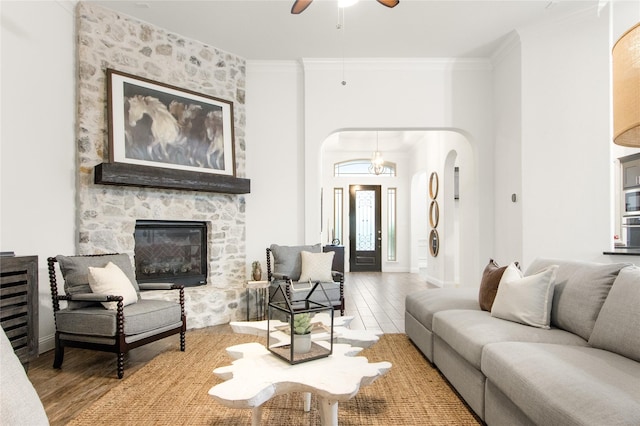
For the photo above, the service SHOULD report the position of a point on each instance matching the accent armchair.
(115, 318)
(304, 263)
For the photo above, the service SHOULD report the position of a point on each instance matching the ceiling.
(266, 30)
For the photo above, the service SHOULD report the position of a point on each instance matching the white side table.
(260, 289)
(257, 375)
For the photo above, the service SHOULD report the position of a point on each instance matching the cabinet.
(338, 258)
(19, 304)
(630, 171)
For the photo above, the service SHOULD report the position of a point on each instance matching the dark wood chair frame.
(120, 346)
(338, 277)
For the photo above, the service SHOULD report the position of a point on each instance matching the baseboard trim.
(46, 343)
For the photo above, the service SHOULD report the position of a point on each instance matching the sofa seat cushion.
(423, 304)
(141, 317)
(570, 385)
(468, 332)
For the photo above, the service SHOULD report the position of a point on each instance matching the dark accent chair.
(286, 269)
(86, 323)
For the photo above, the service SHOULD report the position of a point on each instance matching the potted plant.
(302, 333)
(256, 270)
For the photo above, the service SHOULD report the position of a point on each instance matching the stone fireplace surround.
(106, 215)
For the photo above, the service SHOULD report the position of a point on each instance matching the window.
(361, 168)
(391, 224)
(337, 215)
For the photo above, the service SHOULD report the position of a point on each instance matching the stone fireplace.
(107, 214)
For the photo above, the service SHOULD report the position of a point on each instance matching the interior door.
(365, 232)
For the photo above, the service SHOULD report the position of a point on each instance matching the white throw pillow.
(110, 280)
(526, 300)
(316, 266)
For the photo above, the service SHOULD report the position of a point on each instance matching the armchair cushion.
(141, 317)
(316, 266)
(111, 280)
(331, 288)
(287, 260)
(75, 271)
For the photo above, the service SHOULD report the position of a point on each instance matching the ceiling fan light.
(346, 3)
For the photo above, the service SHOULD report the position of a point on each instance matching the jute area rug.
(172, 389)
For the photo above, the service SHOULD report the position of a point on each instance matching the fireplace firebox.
(171, 251)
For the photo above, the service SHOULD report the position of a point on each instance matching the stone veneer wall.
(107, 214)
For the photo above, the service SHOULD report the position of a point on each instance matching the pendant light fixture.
(377, 162)
(626, 89)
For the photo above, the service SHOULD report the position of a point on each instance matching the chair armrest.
(159, 286)
(280, 277)
(90, 297)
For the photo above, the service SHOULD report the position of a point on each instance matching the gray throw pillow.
(287, 260)
(581, 289)
(75, 270)
(617, 328)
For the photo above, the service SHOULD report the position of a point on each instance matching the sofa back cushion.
(287, 260)
(581, 289)
(617, 328)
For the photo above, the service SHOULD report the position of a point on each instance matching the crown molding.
(511, 41)
(398, 63)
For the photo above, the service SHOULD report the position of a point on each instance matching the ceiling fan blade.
(299, 6)
(389, 3)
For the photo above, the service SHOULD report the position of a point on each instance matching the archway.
(430, 150)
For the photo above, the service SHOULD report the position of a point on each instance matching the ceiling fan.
(300, 5)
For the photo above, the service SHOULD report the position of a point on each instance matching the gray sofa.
(583, 370)
(19, 402)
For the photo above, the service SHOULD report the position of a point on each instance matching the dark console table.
(338, 258)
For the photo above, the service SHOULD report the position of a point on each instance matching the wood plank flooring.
(376, 300)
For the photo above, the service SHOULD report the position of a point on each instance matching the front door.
(365, 232)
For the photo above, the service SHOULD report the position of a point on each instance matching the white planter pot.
(301, 343)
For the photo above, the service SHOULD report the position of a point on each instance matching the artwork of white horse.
(164, 126)
(182, 133)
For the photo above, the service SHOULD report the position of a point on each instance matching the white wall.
(566, 140)
(275, 157)
(508, 154)
(37, 140)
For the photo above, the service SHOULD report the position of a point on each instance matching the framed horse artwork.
(159, 125)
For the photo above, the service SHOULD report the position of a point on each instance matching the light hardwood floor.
(376, 300)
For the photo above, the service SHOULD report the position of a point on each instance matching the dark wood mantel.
(155, 177)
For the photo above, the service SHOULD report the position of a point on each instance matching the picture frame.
(159, 125)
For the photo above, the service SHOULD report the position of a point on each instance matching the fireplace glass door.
(171, 251)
